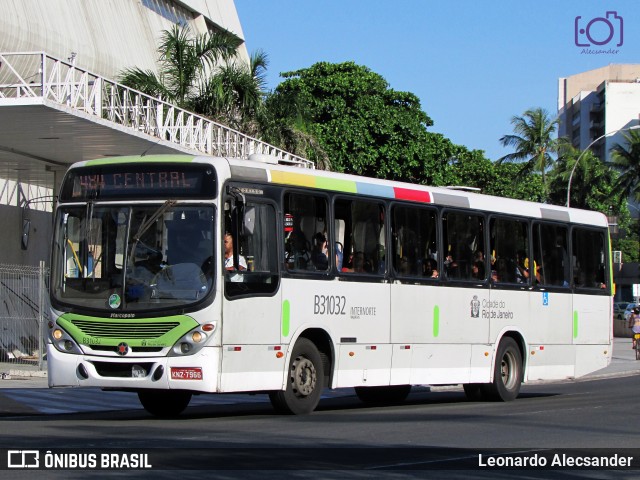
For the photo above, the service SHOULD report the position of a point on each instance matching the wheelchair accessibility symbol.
(545, 299)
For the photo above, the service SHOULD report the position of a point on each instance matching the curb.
(14, 374)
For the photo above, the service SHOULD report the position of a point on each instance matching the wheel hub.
(303, 377)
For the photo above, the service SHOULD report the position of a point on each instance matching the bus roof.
(259, 171)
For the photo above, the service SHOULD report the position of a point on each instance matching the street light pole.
(588, 147)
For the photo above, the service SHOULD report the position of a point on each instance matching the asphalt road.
(435, 434)
(429, 432)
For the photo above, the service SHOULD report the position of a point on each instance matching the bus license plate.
(186, 373)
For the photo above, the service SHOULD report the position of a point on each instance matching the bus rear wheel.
(164, 403)
(305, 381)
(507, 373)
(383, 395)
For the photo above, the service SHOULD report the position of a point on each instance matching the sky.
(474, 64)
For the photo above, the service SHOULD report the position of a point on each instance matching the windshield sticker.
(114, 301)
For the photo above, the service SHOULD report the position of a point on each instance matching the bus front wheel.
(164, 403)
(305, 381)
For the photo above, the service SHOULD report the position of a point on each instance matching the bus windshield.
(121, 258)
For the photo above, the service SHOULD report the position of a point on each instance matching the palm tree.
(533, 142)
(592, 180)
(626, 159)
(203, 74)
(184, 63)
(234, 93)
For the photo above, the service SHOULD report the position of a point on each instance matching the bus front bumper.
(197, 372)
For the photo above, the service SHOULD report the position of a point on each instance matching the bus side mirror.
(249, 221)
(26, 228)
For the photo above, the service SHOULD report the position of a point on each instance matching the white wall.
(40, 236)
(106, 35)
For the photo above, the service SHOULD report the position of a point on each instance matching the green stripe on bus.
(140, 159)
(575, 324)
(336, 185)
(436, 321)
(286, 319)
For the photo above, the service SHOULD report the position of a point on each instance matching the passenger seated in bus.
(320, 253)
(477, 270)
(339, 256)
(522, 267)
(404, 268)
(539, 275)
(358, 263)
(228, 255)
(430, 268)
(451, 267)
(296, 254)
(502, 271)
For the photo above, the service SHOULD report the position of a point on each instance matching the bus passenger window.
(257, 269)
(509, 245)
(589, 259)
(551, 255)
(414, 233)
(364, 238)
(463, 246)
(306, 245)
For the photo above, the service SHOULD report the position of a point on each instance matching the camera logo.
(599, 30)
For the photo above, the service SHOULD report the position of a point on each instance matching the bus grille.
(124, 330)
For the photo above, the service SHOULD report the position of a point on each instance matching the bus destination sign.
(139, 181)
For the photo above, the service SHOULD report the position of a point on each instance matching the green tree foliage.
(184, 62)
(234, 93)
(472, 169)
(592, 184)
(364, 126)
(203, 74)
(533, 142)
(626, 159)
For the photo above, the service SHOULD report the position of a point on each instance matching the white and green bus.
(179, 275)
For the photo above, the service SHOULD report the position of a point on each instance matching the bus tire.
(164, 403)
(305, 381)
(383, 395)
(507, 373)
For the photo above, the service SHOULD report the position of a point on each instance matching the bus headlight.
(63, 341)
(193, 341)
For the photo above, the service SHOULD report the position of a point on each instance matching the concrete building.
(597, 102)
(60, 101)
(591, 105)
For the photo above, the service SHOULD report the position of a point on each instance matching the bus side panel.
(251, 321)
(550, 318)
(590, 358)
(248, 368)
(442, 315)
(434, 330)
(550, 362)
(589, 311)
(509, 311)
(250, 335)
(355, 315)
(362, 365)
